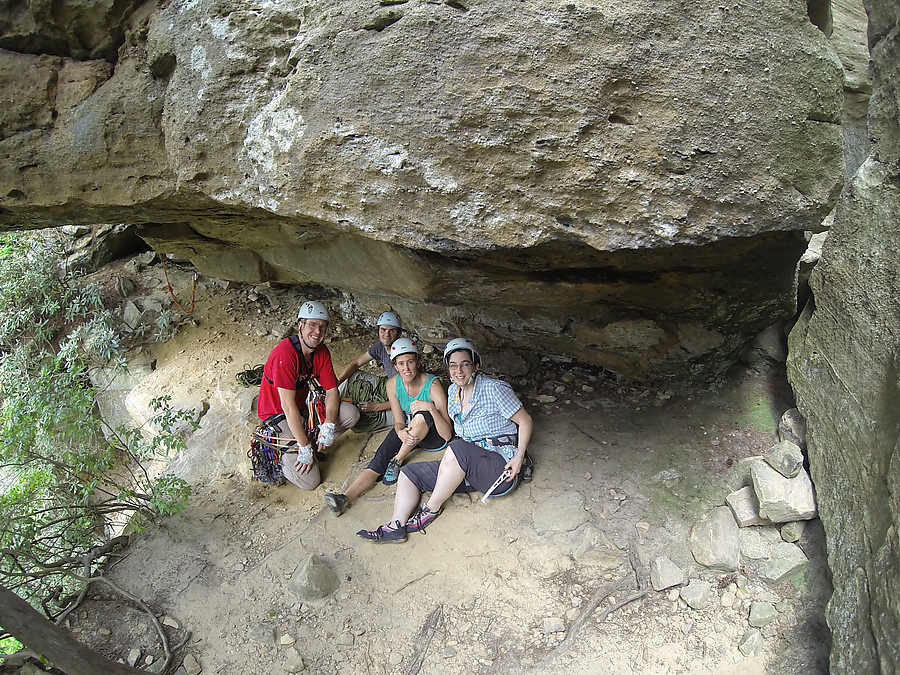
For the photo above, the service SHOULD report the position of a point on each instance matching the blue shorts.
(482, 468)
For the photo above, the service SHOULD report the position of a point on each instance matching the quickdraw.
(315, 409)
(265, 453)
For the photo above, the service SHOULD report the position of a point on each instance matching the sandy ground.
(530, 583)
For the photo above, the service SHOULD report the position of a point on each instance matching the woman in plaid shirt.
(494, 430)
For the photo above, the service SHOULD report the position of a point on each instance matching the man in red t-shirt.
(285, 385)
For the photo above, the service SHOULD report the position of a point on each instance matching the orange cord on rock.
(172, 293)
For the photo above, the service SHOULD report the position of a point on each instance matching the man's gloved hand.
(326, 434)
(305, 454)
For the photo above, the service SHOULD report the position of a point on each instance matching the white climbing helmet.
(457, 344)
(313, 310)
(403, 346)
(389, 319)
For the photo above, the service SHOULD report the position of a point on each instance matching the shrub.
(62, 473)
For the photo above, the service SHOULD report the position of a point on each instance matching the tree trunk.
(46, 638)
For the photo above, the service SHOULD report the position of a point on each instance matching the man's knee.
(348, 416)
(304, 481)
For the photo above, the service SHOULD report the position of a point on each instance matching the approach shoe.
(383, 535)
(421, 519)
(336, 502)
(527, 469)
(392, 473)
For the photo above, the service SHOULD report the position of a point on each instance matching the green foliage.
(63, 474)
(10, 646)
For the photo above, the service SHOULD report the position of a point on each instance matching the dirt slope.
(511, 586)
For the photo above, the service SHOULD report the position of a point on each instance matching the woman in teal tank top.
(419, 406)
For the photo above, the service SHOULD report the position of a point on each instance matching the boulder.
(605, 210)
(312, 580)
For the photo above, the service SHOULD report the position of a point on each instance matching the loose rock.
(665, 574)
(697, 593)
(715, 541)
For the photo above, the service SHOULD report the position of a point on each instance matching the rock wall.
(621, 182)
(844, 365)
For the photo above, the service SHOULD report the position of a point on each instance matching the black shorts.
(482, 468)
(391, 445)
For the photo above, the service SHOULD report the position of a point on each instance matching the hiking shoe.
(527, 469)
(382, 535)
(336, 502)
(392, 473)
(421, 519)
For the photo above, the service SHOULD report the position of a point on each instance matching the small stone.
(786, 458)
(727, 599)
(553, 624)
(785, 561)
(148, 660)
(745, 507)
(665, 574)
(191, 666)
(642, 525)
(781, 499)
(395, 659)
(545, 398)
(791, 532)
(762, 613)
(133, 657)
(751, 643)
(448, 652)
(697, 593)
(170, 622)
(753, 544)
(792, 427)
(286, 639)
(715, 541)
(105, 631)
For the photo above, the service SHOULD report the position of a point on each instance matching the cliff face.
(624, 183)
(844, 366)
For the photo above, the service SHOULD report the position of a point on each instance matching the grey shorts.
(482, 468)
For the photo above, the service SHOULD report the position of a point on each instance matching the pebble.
(287, 639)
(448, 652)
(553, 624)
(191, 666)
(643, 526)
(395, 659)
